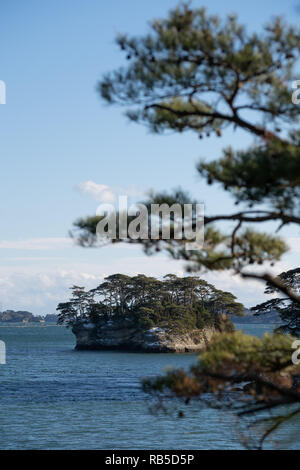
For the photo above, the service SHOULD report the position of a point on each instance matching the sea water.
(53, 397)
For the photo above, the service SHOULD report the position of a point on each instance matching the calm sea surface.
(52, 397)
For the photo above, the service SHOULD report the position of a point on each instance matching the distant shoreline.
(25, 325)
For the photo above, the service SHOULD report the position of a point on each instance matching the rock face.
(115, 336)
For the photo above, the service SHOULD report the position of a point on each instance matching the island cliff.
(119, 336)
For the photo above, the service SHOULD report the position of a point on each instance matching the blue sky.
(55, 133)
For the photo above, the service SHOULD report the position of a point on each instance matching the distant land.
(22, 316)
(252, 317)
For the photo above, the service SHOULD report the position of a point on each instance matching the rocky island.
(129, 337)
(22, 316)
(145, 314)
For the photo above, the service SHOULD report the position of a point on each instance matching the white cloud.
(38, 284)
(105, 193)
(39, 292)
(40, 288)
(100, 192)
(53, 243)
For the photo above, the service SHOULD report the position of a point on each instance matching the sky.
(62, 149)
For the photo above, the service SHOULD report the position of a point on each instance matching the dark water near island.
(52, 397)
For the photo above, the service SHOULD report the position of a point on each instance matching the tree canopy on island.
(196, 72)
(174, 303)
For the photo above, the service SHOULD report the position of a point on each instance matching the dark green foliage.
(219, 378)
(175, 303)
(199, 73)
(288, 309)
(269, 173)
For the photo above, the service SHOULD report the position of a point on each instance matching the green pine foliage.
(174, 303)
(288, 309)
(203, 74)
